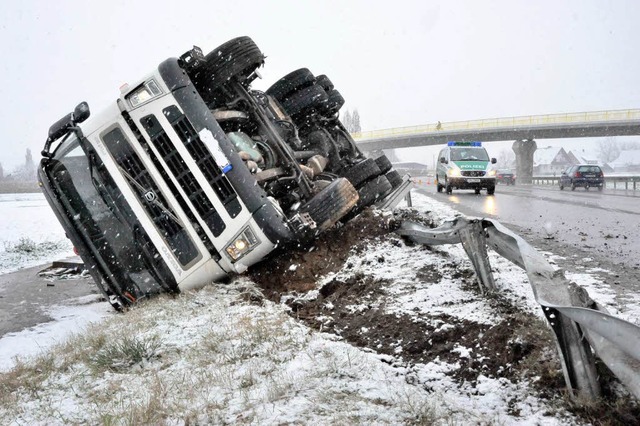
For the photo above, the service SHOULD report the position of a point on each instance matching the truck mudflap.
(400, 192)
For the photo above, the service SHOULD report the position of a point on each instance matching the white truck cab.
(190, 175)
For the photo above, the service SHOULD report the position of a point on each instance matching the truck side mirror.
(494, 161)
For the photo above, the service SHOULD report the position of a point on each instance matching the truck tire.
(239, 57)
(333, 104)
(305, 100)
(290, 83)
(324, 82)
(383, 163)
(331, 204)
(374, 190)
(394, 178)
(361, 172)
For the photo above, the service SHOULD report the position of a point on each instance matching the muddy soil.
(518, 347)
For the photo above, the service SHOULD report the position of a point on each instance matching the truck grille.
(150, 196)
(167, 180)
(473, 173)
(203, 158)
(183, 174)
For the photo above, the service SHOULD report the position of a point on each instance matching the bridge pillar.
(524, 150)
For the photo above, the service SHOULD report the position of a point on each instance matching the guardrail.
(629, 183)
(512, 122)
(582, 327)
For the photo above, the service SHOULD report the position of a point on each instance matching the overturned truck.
(192, 175)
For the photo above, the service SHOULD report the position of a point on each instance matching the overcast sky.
(399, 63)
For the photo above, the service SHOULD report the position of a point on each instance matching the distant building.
(627, 162)
(551, 160)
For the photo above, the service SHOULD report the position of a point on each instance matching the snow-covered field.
(30, 234)
(214, 357)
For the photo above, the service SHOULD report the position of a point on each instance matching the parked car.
(584, 175)
(506, 176)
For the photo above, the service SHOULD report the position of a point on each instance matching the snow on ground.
(269, 368)
(30, 234)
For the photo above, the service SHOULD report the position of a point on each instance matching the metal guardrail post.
(578, 322)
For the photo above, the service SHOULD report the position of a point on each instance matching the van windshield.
(469, 154)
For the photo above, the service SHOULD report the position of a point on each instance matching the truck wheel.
(305, 100)
(394, 178)
(374, 190)
(490, 190)
(383, 163)
(239, 57)
(334, 103)
(331, 204)
(292, 82)
(361, 172)
(324, 82)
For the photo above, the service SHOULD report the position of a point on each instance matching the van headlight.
(454, 172)
(242, 244)
(491, 173)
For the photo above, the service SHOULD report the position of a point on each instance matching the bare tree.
(608, 150)
(506, 159)
(347, 120)
(355, 118)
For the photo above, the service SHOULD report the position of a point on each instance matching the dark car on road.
(506, 176)
(583, 175)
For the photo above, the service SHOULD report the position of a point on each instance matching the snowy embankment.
(227, 355)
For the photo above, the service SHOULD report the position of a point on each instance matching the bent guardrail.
(579, 323)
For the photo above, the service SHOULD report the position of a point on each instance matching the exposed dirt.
(520, 346)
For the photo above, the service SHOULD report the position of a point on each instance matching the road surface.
(595, 228)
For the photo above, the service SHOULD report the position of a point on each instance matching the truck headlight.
(242, 244)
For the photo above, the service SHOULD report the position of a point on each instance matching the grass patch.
(121, 355)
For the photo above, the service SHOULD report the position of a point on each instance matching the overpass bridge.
(524, 130)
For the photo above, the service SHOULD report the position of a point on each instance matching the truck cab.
(190, 175)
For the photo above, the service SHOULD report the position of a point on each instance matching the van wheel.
(438, 187)
(239, 57)
(448, 189)
(305, 100)
(331, 204)
(491, 190)
(361, 172)
(383, 163)
(290, 83)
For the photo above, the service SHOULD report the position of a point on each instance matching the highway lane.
(599, 228)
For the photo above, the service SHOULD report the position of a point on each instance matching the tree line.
(25, 172)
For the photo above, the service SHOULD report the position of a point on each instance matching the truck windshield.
(105, 223)
(469, 154)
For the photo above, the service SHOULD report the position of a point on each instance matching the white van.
(465, 165)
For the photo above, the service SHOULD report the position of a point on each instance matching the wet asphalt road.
(25, 297)
(602, 227)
